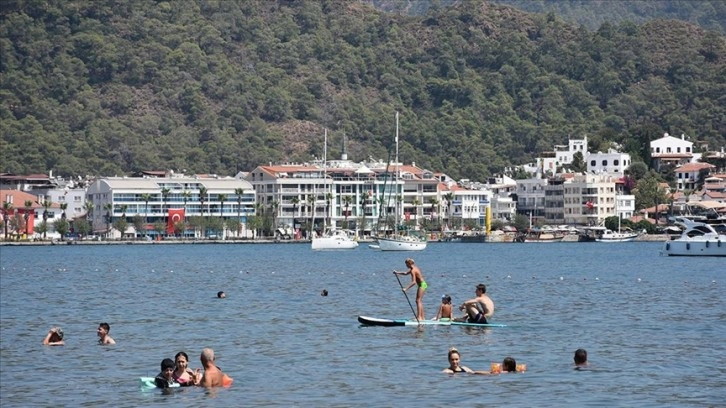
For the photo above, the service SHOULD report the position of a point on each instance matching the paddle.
(406, 294)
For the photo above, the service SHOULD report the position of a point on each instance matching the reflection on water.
(653, 326)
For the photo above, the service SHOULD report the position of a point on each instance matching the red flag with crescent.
(175, 215)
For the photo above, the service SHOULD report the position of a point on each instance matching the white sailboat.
(619, 236)
(331, 238)
(398, 241)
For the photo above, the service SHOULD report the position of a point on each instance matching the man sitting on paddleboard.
(479, 309)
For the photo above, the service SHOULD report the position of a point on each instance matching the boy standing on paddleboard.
(418, 280)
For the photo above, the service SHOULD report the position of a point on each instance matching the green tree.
(82, 227)
(42, 228)
(146, 197)
(159, 228)
(139, 223)
(649, 193)
(46, 205)
(62, 227)
(7, 208)
(26, 216)
(520, 222)
(238, 192)
(347, 200)
(578, 163)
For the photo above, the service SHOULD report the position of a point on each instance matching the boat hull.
(333, 243)
(373, 321)
(709, 247)
(392, 244)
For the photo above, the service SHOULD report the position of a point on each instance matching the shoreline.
(642, 238)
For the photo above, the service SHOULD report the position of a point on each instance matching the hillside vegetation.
(110, 87)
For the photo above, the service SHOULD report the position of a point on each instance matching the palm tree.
(88, 206)
(295, 201)
(347, 200)
(311, 204)
(239, 192)
(28, 207)
(202, 198)
(449, 199)
(328, 199)
(46, 205)
(186, 196)
(274, 205)
(434, 202)
(164, 197)
(147, 197)
(7, 207)
(63, 207)
(222, 199)
(109, 217)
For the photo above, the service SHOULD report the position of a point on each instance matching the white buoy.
(561, 278)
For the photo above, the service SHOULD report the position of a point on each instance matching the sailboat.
(331, 239)
(606, 235)
(398, 241)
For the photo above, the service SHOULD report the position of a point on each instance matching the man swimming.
(213, 376)
(479, 308)
(417, 279)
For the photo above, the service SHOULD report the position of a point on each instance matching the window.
(688, 149)
(604, 163)
(616, 162)
(678, 149)
(593, 163)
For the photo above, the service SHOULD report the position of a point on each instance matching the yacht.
(698, 239)
(337, 239)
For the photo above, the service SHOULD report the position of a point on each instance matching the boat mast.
(396, 179)
(325, 178)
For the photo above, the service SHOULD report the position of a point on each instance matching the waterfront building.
(612, 162)
(670, 150)
(170, 199)
(589, 199)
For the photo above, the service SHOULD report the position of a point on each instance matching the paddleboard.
(148, 382)
(374, 321)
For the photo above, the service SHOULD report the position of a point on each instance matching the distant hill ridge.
(113, 87)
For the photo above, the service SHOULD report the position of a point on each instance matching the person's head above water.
(580, 357)
(221, 295)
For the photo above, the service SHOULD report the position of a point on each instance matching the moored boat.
(698, 239)
(337, 239)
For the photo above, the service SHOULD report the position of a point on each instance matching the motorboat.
(617, 236)
(698, 239)
(401, 243)
(337, 239)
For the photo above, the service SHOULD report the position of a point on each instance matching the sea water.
(654, 326)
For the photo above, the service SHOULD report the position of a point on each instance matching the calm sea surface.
(654, 327)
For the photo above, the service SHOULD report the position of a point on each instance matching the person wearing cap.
(445, 310)
(478, 309)
(54, 337)
(165, 379)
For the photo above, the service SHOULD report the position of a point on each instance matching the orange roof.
(690, 167)
(17, 198)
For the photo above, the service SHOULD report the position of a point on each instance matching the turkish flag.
(408, 216)
(175, 215)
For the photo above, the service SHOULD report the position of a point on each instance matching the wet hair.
(409, 261)
(509, 364)
(220, 294)
(105, 326)
(324, 292)
(482, 287)
(167, 363)
(181, 353)
(580, 356)
(446, 298)
(452, 351)
(59, 333)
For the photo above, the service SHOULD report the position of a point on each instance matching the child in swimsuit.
(445, 310)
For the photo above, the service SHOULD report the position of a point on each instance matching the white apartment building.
(589, 199)
(531, 198)
(671, 150)
(344, 194)
(561, 156)
(468, 204)
(687, 175)
(612, 162)
(114, 197)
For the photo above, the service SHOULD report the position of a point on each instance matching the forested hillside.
(109, 87)
(709, 14)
